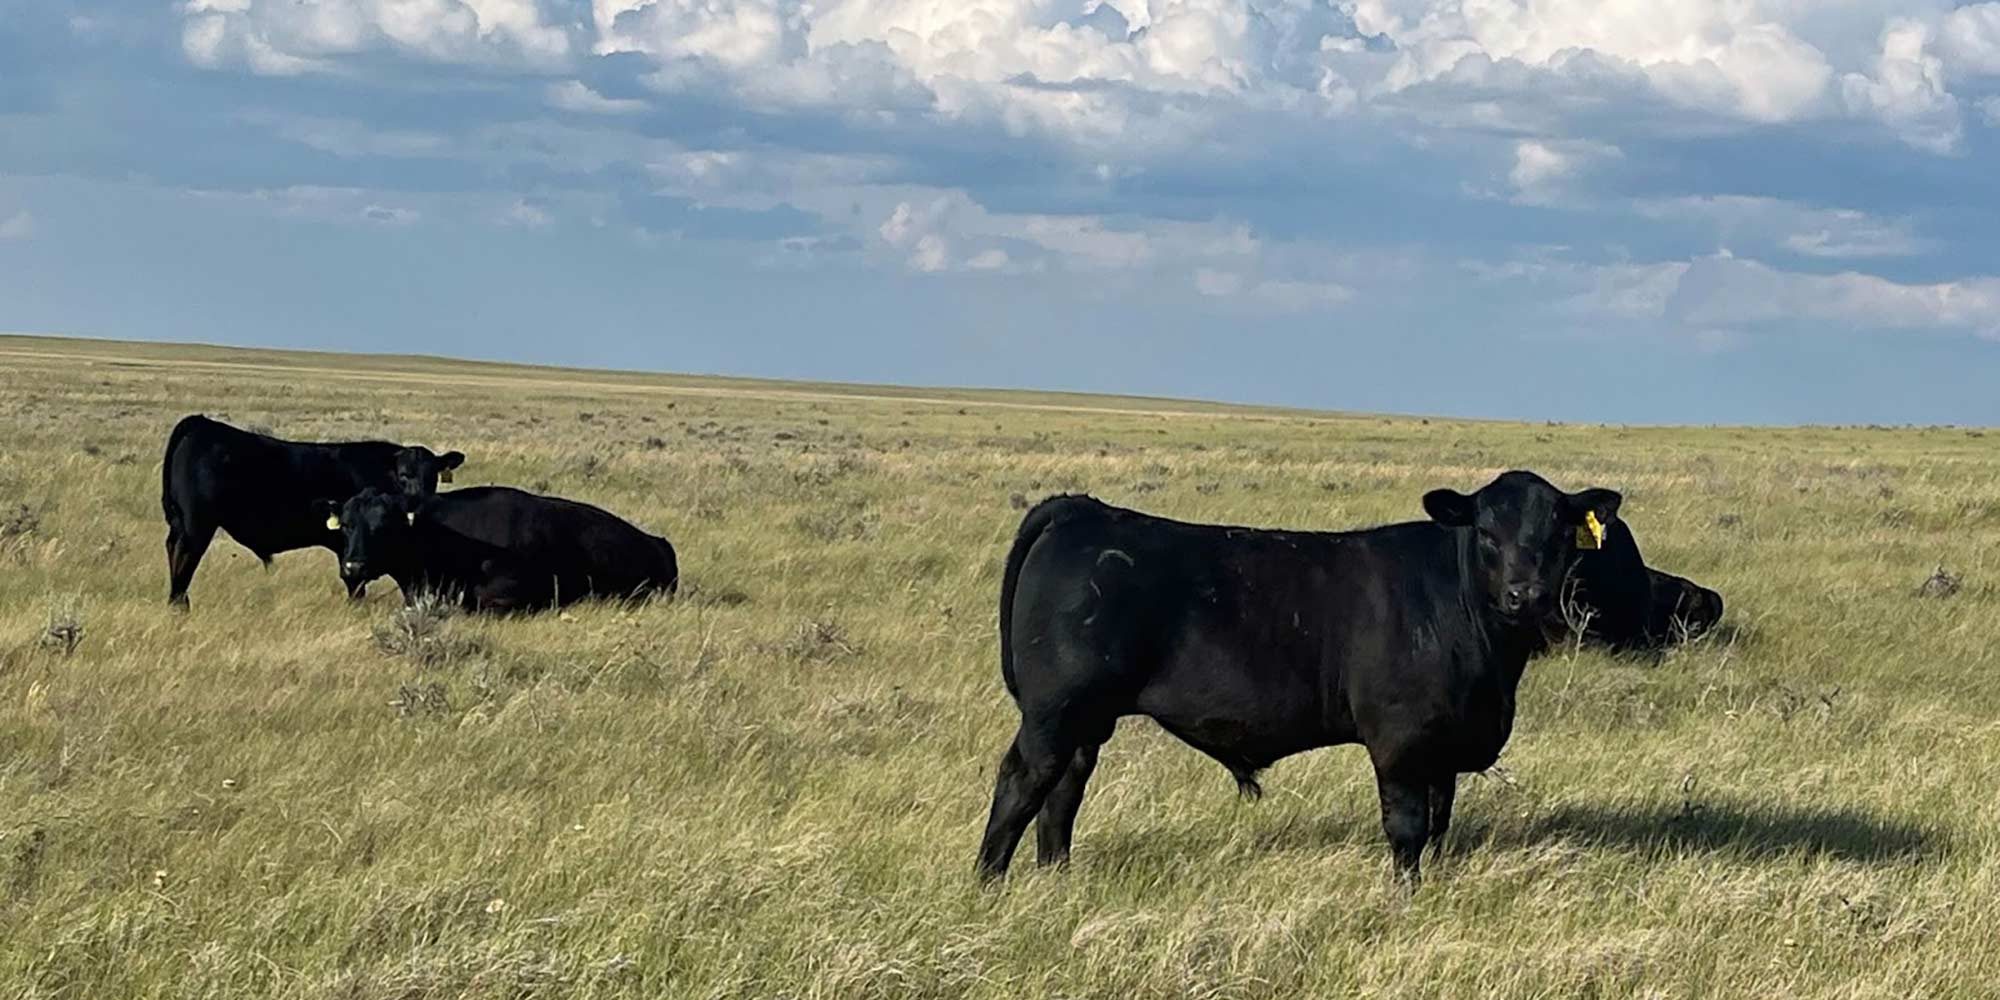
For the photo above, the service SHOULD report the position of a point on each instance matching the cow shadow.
(1728, 830)
(1722, 828)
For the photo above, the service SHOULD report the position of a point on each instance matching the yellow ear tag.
(333, 522)
(445, 476)
(412, 515)
(1590, 534)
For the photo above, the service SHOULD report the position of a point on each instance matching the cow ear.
(451, 460)
(330, 510)
(1450, 508)
(1600, 502)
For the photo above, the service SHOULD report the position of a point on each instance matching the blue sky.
(1715, 211)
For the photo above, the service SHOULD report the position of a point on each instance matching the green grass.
(774, 787)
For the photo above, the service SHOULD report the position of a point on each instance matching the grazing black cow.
(261, 489)
(1628, 605)
(1252, 645)
(498, 549)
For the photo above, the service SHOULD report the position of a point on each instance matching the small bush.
(64, 631)
(428, 700)
(819, 641)
(19, 521)
(1940, 584)
(421, 632)
(837, 524)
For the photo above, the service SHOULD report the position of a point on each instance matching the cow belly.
(1238, 714)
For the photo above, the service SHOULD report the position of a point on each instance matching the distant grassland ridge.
(774, 786)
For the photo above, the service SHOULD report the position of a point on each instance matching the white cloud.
(1731, 57)
(988, 260)
(390, 215)
(1219, 260)
(287, 38)
(1797, 228)
(1543, 168)
(573, 95)
(1907, 91)
(1723, 293)
(1971, 38)
(527, 215)
(1280, 294)
(19, 226)
(1145, 78)
(1627, 291)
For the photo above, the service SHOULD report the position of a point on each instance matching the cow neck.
(1513, 644)
(413, 572)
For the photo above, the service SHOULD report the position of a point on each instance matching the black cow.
(1252, 645)
(1628, 605)
(497, 548)
(261, 489)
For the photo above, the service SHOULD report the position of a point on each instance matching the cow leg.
(1057, 820)
(1443, 791)
(1027, 774)
(1406, 821)
(184, 552)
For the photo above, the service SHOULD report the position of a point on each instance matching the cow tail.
(168, 505)
(1040, 519)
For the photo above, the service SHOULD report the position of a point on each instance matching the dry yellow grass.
(774, 787)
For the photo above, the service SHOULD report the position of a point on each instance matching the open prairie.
(774, 786)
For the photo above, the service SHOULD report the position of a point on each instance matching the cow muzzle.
(1522, 597)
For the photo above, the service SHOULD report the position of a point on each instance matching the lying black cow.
(261, 490)
(1253, 645)
(1627, 605)
(495, 548)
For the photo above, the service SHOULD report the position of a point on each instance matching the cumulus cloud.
(1158, 143)
(285, 38)
(1729, 57)
(1140, 77)
(1907, 89)
(1971, 38)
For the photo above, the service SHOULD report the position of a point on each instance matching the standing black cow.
(260, 489)
(1253, 645)
(496, 548)
(1626, 604)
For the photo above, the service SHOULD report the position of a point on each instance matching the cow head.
(1525, 537)
(1681, 608)
(419, 470)
(376, 532)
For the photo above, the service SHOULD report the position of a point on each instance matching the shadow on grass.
(1727, 828)
(1744, 833)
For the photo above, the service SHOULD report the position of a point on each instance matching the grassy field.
(774, 787)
